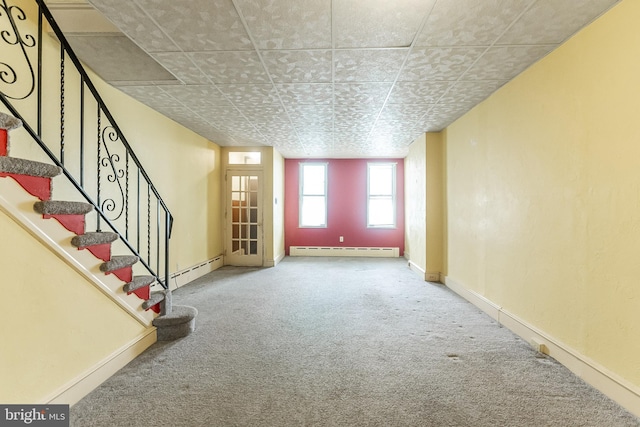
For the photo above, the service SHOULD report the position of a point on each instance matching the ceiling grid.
(321, 78)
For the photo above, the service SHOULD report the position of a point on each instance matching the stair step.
(9, 122)
(118, 262)
(155, 298)
(13, 165)
(57, 207)
(180, 314)
(180, 323)
(138, 282)
(93, 238)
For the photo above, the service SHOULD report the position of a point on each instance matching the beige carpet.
(341, 342)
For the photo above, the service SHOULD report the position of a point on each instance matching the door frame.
(230, 257)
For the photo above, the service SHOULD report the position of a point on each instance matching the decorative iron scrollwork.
(115, 174)
(13, 37)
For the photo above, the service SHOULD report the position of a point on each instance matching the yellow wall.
(415, 210)
(56, 324)
(186, 170)
(434, 206)
(543, 194)
(424, 206)
(278, 205)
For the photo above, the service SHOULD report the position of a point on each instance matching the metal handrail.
(110, 131)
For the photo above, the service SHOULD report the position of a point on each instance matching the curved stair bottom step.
(180, 323)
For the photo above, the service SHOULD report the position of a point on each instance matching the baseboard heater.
(344, 251)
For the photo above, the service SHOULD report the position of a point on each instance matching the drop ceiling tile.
(280, 128)
(471, 92)
(299, 66)
(441, 116)
(131, 20)
(553, 21)
(312, 118)
(149, 95)
(316, 139)
(505, 62)
(469, 23)
(198, 96)
(231, 67)
(300, 24)
(369, 94)
(203, 25)
(402, 113)
(265, 115)
(305, 93)
(378, 23)
(222, 118)
(352, 119)
(181, 66)
(310, 111)
(440, 63)
(418, 92)
(348, 139)
(250, 95)
(116, 58)
(368, 65)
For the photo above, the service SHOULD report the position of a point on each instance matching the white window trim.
(300, 195)
(393, 194)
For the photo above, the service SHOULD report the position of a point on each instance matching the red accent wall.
(347, 207)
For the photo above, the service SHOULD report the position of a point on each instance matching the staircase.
(106, 200)
(36, 178)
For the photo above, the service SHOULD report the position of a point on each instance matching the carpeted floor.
(341, 342)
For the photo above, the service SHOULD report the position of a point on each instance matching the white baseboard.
(427, 277)
(274, 262)
(182, 277)
(343, 251)
(612, 385)
(86, 382)
(417, 269)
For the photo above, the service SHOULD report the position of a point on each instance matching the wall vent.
(344, 251)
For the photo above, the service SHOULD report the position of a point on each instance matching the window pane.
(313, 180)
(245, 157)
(381, 180)
(381, 211)
(313, 211)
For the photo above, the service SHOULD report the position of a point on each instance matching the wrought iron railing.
(65, 115)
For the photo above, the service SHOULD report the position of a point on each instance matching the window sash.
(313, 195)
(381, 199)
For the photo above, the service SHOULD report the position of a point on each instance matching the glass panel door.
(244, 218)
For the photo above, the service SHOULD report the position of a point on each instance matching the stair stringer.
(18, 204)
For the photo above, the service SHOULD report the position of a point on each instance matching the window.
(244, 157)
(313, 195)
(381, 195)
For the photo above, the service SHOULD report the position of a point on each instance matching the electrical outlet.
(341, 239)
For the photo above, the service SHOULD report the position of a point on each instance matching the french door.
(244, 218)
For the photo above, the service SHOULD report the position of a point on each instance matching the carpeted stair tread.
(9, 122)
(28, 167)
(179, 314)
(118, 262)
(155, 298)
(138, 282)
(58, 207)
(93, 238)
